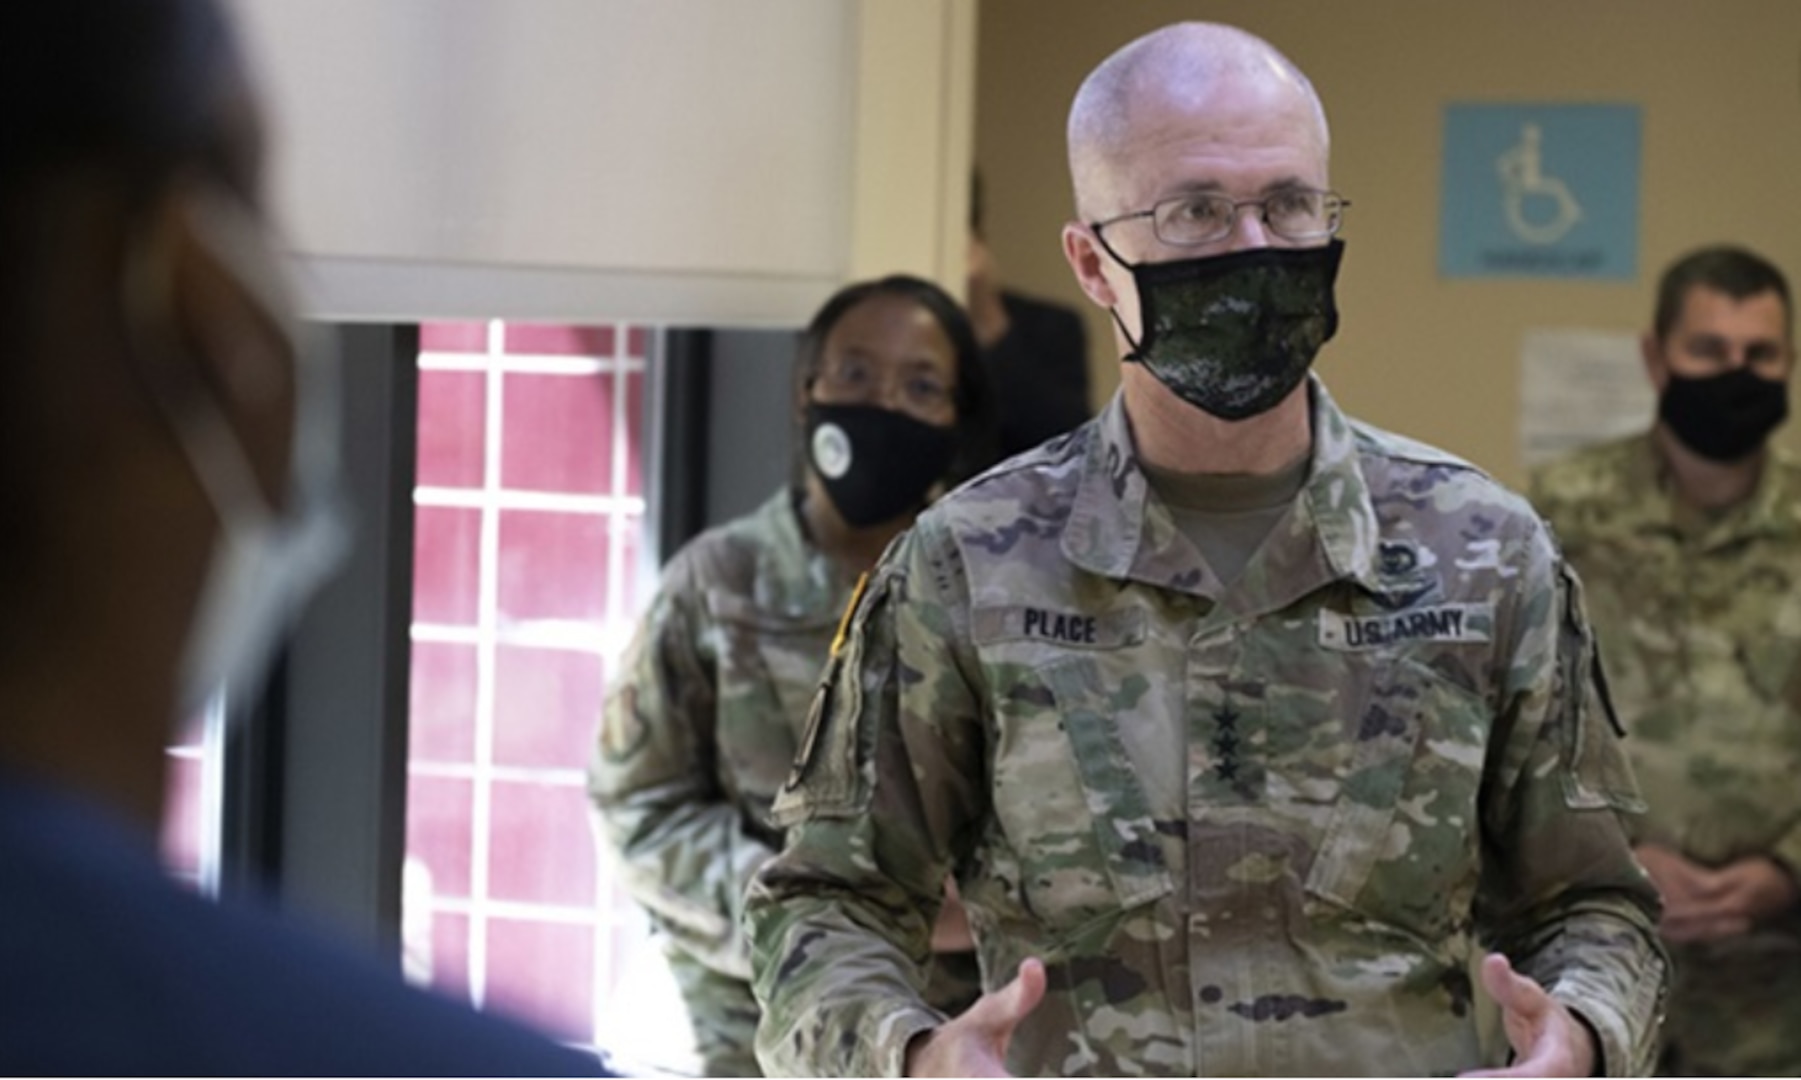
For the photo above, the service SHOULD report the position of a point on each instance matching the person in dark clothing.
(167, 472)
(1036, 351)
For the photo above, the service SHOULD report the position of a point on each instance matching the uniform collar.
(794, 578)
(1770, 511)
(1118, 528)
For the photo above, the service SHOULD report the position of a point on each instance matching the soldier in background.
(891, 404)
(1247, 730)
(1688, 538)
(1036, 351)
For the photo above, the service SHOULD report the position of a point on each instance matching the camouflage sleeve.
(889, 771)
(684, 852)
(1561, 893)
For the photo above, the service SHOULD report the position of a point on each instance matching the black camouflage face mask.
(1234, 334)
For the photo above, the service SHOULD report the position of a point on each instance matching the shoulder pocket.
(1597, 774)
(827, 779)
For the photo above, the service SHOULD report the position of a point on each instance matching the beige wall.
(1719, 84)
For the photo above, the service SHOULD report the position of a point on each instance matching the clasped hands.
(1702, 903)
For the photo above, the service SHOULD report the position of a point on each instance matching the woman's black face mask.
(876, 464)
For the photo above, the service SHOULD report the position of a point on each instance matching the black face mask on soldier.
(1723, 417)
(876, 464)
(1234, 334)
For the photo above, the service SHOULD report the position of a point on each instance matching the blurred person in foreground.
(166, 463)
(1688, 539)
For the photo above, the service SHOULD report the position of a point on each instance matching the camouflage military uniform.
(1701, 632)
(1256, 829)
(696, 738)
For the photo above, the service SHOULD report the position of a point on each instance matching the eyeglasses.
(1203, 217)
(856, 379)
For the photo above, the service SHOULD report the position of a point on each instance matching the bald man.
(1245, 729)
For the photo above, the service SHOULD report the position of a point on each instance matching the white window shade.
(705, 161)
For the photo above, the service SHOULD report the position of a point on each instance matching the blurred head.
(977, 205)
(138, 90)
(982, 278)
(982, 289)
(1721, 351)
(109, 105)
(151, 379)
(895, 361)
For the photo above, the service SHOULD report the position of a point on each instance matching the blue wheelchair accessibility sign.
(1540, 191)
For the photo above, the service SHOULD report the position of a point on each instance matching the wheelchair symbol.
(1539, 208)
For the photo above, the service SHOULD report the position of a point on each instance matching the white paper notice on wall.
(1579, 387)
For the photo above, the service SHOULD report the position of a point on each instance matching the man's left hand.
(1547, 1039)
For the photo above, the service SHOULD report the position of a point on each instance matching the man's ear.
(1088, 261)
(224, 323)
(224, 318)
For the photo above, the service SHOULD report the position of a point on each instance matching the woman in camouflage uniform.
(892, 406)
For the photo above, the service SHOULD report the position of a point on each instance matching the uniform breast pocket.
(1765, 634)
(1772, 666)
(1401, 845)
(768, 669)
(1068, 798)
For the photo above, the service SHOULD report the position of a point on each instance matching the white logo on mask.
(831, 451)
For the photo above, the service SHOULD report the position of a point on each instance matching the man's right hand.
(975, 1043)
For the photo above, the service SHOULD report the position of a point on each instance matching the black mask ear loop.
(1133, 356)
(1113, 309)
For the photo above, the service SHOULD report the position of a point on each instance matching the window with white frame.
(529, 516)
